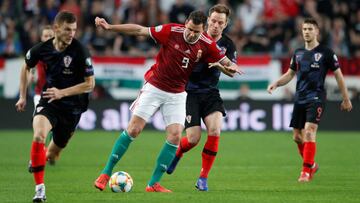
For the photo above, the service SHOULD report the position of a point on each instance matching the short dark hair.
(311, 21)
(64, 16)
(220, 8)
(197, 17)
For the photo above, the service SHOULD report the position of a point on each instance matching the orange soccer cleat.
(156, 188)
(101, 181)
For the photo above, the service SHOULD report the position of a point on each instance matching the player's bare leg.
(136, 125)
(53, 153)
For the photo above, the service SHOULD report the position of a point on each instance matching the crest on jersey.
(158, 28)
(223, 50)
(317, 56)
(188, 118)
(67, 61)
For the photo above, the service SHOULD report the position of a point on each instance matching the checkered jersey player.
(69, 79)
(311, 64)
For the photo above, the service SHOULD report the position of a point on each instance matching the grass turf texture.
(250, 167)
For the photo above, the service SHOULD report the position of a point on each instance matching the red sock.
(184, 146)
(38, 161)
(301, 149)
(309, 156)
(209, 155)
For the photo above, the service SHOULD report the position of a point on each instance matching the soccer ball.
(121, 182)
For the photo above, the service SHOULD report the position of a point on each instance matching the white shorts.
(150, 99)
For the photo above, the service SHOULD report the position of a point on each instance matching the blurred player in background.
(38, 75)
(203, 100)
(69, 75)
(311, 65)
(182, 47)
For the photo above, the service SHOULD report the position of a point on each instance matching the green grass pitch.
(250, 167)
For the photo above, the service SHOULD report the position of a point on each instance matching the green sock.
(164, 159)
(119, 149)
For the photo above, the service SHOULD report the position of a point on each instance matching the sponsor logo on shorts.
(38, 109)
(188, 118)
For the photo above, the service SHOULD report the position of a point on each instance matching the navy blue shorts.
(308, 112)
(200, 105)
(63, 124)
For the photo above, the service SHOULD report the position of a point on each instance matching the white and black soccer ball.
(121, 182)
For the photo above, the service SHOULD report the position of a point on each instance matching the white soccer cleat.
(39, 193)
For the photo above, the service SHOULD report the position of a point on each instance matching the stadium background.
(257, 161)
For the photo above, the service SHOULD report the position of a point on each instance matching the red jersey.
(41, 77)
(177, 58)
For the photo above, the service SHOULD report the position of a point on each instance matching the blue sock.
(119, 149)
(164, 160)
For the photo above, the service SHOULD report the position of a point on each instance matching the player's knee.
(134, 131)
(39, 136)
(193, 138)
(213, 131)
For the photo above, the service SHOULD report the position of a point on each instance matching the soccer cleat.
(304, 177)
(39, 193)
(156, 188)
(313, 170)
(173, 165)
(201, 184)
(101, 181)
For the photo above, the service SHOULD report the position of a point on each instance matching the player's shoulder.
(204, 37)
(174, 27)
(325, 50)
(226, 39)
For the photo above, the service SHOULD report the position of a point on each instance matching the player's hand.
(52, 94)
(20, 105)
(346, 105)
(102, 23)
(271, 88)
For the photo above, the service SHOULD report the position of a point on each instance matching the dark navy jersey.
(204, 79)
(63, 69)
(311, 67)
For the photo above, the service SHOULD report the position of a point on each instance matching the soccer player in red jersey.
(203, 100)
(311, 65)
(183, 46)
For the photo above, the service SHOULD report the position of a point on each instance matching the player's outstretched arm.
(346, 103)
(283, 80)
(230, 66)
(128, 29)
(84, 87)
(24, 75)
(221, 68)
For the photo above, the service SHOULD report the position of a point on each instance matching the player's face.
(65, 32)
(217, 22)
(310, 32)
(192, 31)
(47, 34)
